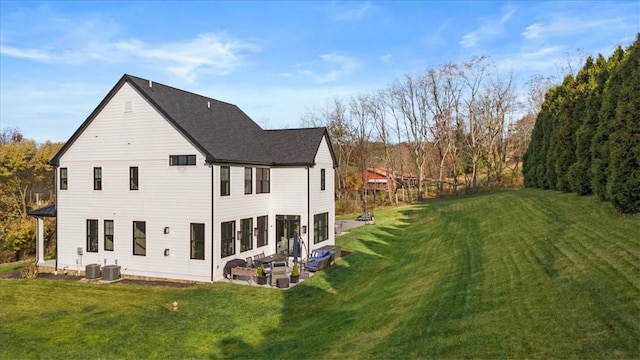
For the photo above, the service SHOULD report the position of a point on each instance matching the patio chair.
(319, 260)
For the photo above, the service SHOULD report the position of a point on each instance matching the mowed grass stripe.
(514, 274)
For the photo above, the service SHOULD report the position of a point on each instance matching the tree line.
(454, 127)
(26, 182)
(587, 135)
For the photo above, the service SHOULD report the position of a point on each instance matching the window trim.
(320, 234)
(134, 183)
(248, 181)
(106, 234)
(97, 178)
(182, 160)
(225, 184)
(230, 242)
(263, 232)
(144, 224)
(64, 178)
(194, 243)
(92, 244)
(246, 242)
(263, 183)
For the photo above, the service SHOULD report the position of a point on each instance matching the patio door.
(286, 227)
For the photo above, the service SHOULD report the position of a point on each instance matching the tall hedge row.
(587, 135)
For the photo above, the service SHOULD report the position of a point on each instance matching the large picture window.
(133, 178)
(139, 238)
(263, 234)
(108, 235)
(181, 160)
(64, 179)
(197, 241)
(225, 181)
(97, 178)
(320, 227)
(248, 180)
(92, 235)
(262, 180)
(246, 242)
(228, 238)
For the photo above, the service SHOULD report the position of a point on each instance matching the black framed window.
(97, 178)
(64, 179)
(133, 178)
(108, 235)
(139, 238)
(248, 180)
(228, 238)
(92, 235)
(225, 181)
(197, 241)
(323, 184)
(263, 234)
(246, 240)
(181, 160)
(320, 227)
(262, 180)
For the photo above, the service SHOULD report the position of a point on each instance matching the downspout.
(308, 213)
(212, 221)
(55, 186)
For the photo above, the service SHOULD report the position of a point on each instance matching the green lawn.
(514, 274)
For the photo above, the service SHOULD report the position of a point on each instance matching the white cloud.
(351, 13)
(490, 27)
(218, 54)
(561, 25)
(29, 54)
(387, 59)
(333, 67)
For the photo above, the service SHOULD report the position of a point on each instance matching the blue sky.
(275, 60)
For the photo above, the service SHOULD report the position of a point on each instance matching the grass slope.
(516, 274)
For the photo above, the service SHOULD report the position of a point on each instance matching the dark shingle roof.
(221, 131)
(47, 211)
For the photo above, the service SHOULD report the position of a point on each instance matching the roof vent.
(208, 104)
(150, 83)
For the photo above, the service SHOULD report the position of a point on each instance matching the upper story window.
(248, 180)
(323, 184)
(64, 179)
(180, 160)
(97, 178)
(133, 178)
(262, 180)
(225, 181)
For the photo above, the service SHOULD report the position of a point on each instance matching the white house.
(170, 184)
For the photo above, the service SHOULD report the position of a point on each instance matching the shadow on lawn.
(363, 289)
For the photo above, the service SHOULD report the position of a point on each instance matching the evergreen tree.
(589, 84)
(623, 183)
(569, 112)
(600, 142)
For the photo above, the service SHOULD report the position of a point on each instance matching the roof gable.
(221, 131)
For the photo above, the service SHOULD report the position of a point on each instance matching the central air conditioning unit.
(110, 273)
(92, 271)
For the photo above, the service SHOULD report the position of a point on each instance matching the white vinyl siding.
(168, 196)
